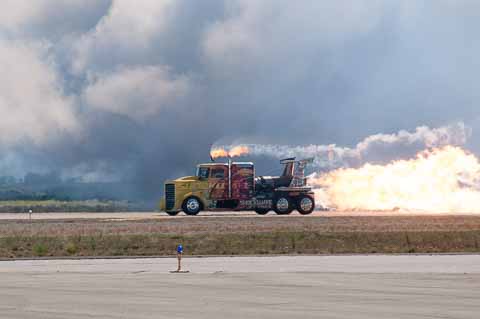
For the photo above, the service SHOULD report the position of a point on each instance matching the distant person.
(179, 257)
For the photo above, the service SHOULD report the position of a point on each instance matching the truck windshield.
(203, 172)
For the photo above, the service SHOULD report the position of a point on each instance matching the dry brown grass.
(241, 235)
(241, 244)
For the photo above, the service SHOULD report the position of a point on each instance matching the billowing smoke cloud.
(33, 107)
(137, 91)
(126, 34)
(50, 18)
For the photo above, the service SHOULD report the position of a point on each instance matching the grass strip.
(240, 244)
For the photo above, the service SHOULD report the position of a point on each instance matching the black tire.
(283, 205)
(262, 211)
(172, 213)
(305, 204)
(192, 206)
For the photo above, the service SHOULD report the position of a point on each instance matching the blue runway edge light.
(180, 249)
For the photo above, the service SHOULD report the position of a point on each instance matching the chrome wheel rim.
(282, 204)
(306, 204)
(193, 204)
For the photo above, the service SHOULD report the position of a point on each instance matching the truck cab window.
(203, 172)
(218, 173)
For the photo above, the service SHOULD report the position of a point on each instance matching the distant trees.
(34, 179)
(51, 186)
(8, 180)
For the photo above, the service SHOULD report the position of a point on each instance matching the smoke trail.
(378, 148)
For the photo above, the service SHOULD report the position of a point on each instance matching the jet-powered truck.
(233, 186)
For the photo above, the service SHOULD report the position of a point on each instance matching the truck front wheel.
(192, 206)
(283, 205)
(305, 204)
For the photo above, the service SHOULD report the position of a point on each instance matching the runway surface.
(406, 286)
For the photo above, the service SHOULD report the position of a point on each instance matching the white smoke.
(49, 18)
(138, 92)
(375, 148)
(32, 103)
(129, 29)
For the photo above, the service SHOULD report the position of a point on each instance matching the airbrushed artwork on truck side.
(236, 183)
(242, 181)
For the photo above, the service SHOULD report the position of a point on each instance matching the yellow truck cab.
(193, 192)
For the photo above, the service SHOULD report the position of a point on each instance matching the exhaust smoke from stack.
(378, 148)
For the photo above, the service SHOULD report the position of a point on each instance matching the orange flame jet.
(234, 152)
(439, 180)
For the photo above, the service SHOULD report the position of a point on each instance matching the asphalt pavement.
(405, 286)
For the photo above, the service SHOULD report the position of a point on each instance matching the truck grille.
(169, 196)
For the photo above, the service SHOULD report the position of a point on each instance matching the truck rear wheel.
(305, 204)
(283, 205)
(262, 211)
(191, 206)
(172, 213)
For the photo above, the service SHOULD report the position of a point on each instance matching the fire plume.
(440, 180)
(233, 152)
(218, 152)
(238, 151)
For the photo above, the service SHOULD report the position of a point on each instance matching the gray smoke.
(137, 91)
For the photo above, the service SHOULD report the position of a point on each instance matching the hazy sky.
(140, 90)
